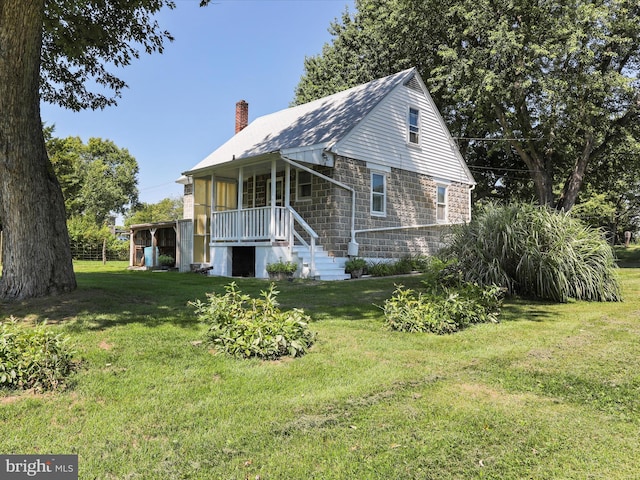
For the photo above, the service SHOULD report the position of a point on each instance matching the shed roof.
(322, 122)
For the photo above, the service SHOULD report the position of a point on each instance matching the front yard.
(553, 391)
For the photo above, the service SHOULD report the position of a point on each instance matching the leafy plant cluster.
(246, 327)
(34, 357)
(166, 260)
(442, 309)
(282, 266)
(536, 252)
(403, 266)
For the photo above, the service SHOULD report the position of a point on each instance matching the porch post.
(154, 242)
(239, 223)
(212, 208)
(132, 247)
(272, 229)
(287, 204)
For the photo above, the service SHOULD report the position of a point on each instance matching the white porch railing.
(250, 225)
(263, 224)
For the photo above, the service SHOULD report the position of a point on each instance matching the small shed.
(150, 240)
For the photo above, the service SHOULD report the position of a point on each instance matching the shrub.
(420, 263)
(407, 264)
(441, 309)
(403, 266)
(245, 327)
(380, 269)
(534, 251)
(354, 264)
(166, 260)
(33, 357)
(282, 267)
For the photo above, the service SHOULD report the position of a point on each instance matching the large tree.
(97, 178)
(551, 84)
(165, 210)
(54, 48)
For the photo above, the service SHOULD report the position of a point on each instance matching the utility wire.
(523, 139)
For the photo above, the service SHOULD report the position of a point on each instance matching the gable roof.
(319, 123)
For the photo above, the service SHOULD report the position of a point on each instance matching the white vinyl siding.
(378, 194)
(413, 126)
(382, 138)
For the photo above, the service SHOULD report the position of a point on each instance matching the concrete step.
(327, 268)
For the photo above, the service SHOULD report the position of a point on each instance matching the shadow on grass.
(111, 298)
(628, 257)
(516, 309)
(107, 299)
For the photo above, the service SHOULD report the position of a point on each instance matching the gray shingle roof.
(321, 122)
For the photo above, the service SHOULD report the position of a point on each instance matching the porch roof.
(314, 125)
(148, 226)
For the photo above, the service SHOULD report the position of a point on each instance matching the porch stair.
(327, 267)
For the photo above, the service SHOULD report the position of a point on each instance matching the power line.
(522, 139)
(471, 167)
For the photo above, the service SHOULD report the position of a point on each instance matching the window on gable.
(378, 194)
(414, 126)
(303, 189)
(441, 203)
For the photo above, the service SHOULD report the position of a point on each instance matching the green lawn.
(551, 392)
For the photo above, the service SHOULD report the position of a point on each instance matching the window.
(414, 126)
(303, 190)
(279, 191)
(378, 194)
(441, 204)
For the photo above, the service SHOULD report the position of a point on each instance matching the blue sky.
(180, 106)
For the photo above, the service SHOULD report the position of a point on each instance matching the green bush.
(33, 357)
(407, 264)
(166, 260)
(354, 264)
(534, 251)
(380, 269)
(281, 266)
(441, 309)
(245, 327)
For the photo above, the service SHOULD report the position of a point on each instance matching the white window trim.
(408, 138)
(383, 213)
(446, 202)
(298, 197)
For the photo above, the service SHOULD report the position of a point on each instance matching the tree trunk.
(574, 181)
(36, 253)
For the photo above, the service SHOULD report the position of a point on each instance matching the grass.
(553, 391)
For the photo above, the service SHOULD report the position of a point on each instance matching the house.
(371, 172)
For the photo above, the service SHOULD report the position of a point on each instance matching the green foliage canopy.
(166, 209)
(97, 178)
(82, 40)
(541, 89)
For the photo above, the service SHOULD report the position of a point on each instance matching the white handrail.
(310, 231)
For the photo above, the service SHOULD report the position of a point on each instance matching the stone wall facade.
(410, 201)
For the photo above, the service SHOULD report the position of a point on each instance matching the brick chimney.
(242, 115)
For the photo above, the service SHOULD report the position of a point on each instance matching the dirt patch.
(20, 395)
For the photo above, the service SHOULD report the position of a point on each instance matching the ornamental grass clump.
(535, 252)
(246, 327)
(34, 357)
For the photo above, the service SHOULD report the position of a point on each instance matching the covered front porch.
(244, 218)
